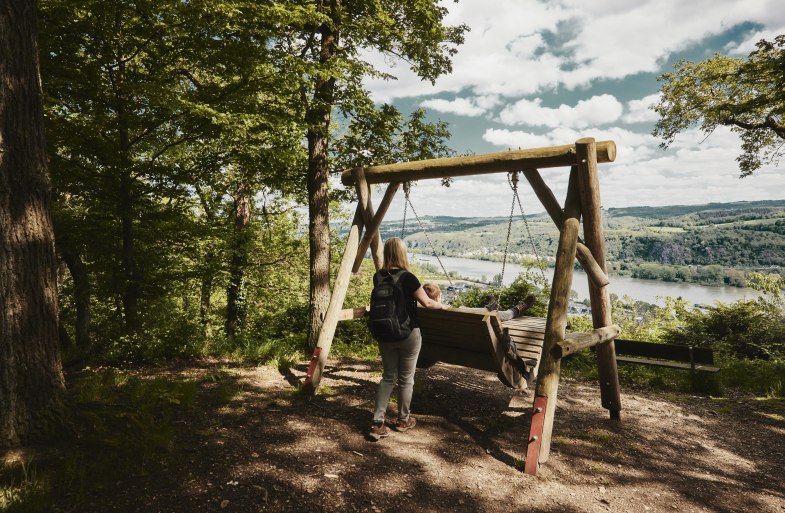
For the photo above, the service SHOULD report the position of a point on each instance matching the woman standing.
(399, 359)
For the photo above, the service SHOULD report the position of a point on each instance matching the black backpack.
(389, 316)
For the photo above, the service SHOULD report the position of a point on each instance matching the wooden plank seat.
(475, 340)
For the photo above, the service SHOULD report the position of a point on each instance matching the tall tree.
(744, 94)
(146, 101)
(328, 39)
(31, 379)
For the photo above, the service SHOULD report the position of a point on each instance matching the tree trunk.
(78, 270)
(235, 294)
(31, 380)
(206, 292)
(131, 273)
(318, 119)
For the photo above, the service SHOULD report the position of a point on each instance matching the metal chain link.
(528, 232)
(405, 207)
(514, 185)
(427, 239)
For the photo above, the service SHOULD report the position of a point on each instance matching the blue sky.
(539, 73)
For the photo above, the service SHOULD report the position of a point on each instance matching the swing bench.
(478, 339)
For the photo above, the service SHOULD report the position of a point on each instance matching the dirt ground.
(264, 447)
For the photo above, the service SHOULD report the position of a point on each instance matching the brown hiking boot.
(379, 431)
(491, 303)
(521, 308)
(405, 425)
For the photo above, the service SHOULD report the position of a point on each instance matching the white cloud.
(462, 106)
(745, 47)
(602, 109)
(640, 111)
(507, 51)
(516, 138)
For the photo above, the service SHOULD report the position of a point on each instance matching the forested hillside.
(716, 243)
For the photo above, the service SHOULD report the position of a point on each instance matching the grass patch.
(598, 436)
(121, 426)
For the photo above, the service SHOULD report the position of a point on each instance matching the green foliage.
(745, 94)
(381, 136)
(509, 296)
(748, 338)
(743, 330)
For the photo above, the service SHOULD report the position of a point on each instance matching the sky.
(535, 73)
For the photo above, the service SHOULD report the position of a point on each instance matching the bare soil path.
(249, 443)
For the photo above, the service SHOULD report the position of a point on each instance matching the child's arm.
(427, 302)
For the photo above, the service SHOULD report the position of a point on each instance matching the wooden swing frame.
(582, 201)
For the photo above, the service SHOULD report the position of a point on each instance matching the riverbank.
(650, 291)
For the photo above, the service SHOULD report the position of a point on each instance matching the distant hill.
(716, 243)
(680, 210)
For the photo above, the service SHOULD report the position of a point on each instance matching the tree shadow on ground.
(221, 438)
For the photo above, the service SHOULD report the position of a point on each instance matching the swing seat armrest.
(348, 314)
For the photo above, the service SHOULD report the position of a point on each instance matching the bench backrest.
(457, 328)
(664, 351)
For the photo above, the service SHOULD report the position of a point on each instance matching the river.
(650, 291)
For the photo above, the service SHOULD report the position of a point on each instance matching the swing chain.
(513, 181)
(422, 229)
(406, 189)
(516, 197)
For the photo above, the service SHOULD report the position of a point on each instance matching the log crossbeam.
(502, 162)
(575, 342)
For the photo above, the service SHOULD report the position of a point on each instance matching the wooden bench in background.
(671, 356)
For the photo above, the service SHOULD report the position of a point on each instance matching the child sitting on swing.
(434, 292)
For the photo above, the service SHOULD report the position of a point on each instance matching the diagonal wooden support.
(551, 204)
(588, 177)
(326, 334)
(364, 197)
(372, 229)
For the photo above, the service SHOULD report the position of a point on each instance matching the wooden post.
(364, 198)
(574, 342)
(600, 296)
(325, 340)
(372, 230)
(555, 327)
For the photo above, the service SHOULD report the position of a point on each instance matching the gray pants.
(399, 360)
(504, 315)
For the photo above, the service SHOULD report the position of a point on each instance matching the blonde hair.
(432, 290)
(395, 254)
